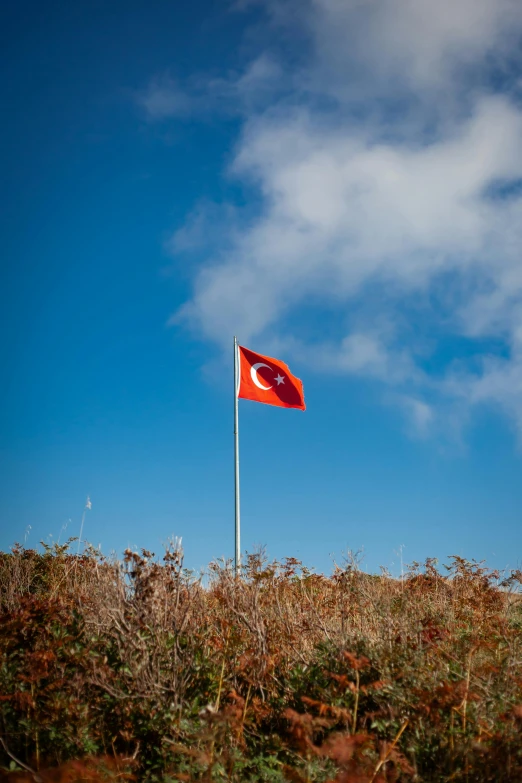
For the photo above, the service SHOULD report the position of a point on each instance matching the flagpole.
(237, 550)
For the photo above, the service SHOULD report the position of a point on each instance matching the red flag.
(267, 380)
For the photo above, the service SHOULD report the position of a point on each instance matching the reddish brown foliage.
(349, 678)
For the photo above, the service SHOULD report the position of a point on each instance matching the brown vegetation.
(139, 670)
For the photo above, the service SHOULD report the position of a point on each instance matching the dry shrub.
(281, 673)
(98, 770)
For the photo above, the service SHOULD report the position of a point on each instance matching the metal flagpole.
(237, 552)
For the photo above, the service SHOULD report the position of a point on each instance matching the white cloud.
(362, 46)
(498, 383)
(384, 181)
(165, 97)
(341, 212)
(420, 414)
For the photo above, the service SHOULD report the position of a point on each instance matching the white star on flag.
(280, 379)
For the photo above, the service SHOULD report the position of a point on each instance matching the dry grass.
(280, 675)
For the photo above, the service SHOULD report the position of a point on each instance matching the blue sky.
(337, 184)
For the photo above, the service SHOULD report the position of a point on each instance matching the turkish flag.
(267, 380)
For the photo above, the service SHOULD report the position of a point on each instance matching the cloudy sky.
(339, 183)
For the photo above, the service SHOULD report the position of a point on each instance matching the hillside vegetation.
(138, 670)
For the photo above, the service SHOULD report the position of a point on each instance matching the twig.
(464, 704)
(356, 705)
(35, 775)
(243, 717)
(383, 761)
(222, 672)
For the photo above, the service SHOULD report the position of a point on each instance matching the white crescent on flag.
(255, 378)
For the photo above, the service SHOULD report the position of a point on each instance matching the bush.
(137, 669)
